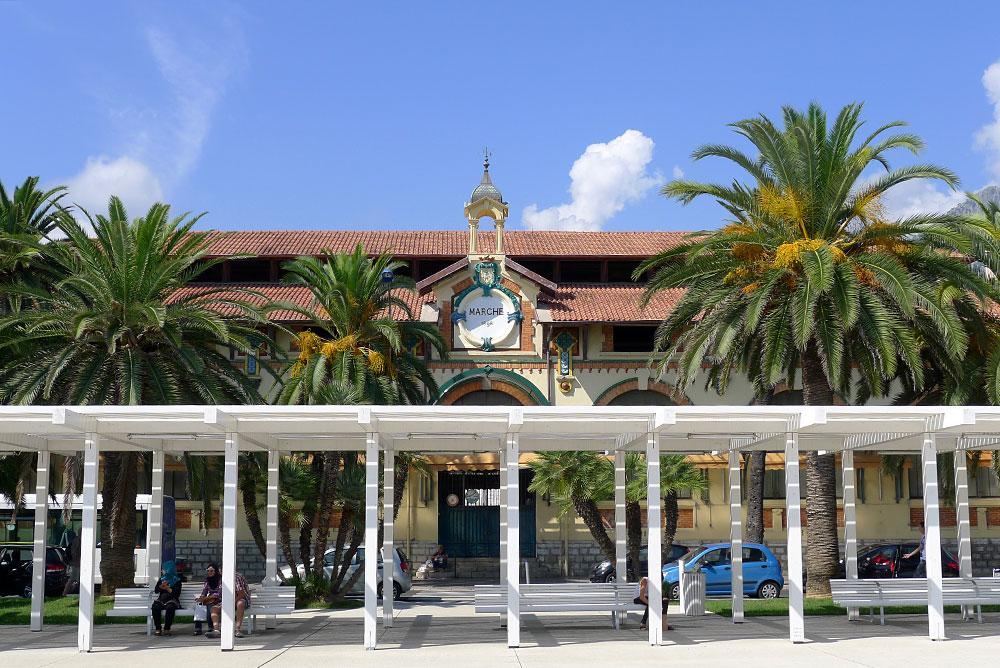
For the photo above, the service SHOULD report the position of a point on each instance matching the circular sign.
(451, 500)
(471, 497)
(487, 317)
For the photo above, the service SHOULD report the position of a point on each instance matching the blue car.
(761, 571)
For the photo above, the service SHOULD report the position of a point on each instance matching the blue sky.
(374, 115)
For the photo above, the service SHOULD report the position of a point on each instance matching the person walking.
(168, 599)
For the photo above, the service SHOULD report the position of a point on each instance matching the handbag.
(200, 612)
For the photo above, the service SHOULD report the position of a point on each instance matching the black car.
(15, 570)
(605, 571)
(889, 561)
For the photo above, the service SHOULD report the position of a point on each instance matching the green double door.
(469, 513)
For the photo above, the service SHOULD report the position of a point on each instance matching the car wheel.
(611, 577)
(768, 589)
(397, 591)
(674, 590)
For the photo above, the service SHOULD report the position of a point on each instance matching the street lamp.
(388, 277)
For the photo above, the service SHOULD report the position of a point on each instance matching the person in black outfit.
(168, 598)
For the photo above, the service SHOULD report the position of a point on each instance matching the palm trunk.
(670, 513)
(400, 478)
(327, 497)
(285, 540)
(822, 543)
(754, 531)
(308, 519)
(587, 510)
(118, 535)
(633, 538)
(248, 492)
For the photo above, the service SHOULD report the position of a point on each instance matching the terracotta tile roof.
(611, 302)
(444, 243)
(294, 294)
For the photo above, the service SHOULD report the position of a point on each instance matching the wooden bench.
(137, 602)
(270, 601)
(609, 597)
(881, 593)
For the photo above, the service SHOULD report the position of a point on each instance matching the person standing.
(168, 599)
(922, 549)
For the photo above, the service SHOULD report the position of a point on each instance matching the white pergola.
(226, 430)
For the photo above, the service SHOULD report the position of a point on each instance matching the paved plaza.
(438, 628)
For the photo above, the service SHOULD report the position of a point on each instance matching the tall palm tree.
(111, 328)
(362, 332)
(25, 218)
(576, 480)
(810, 277)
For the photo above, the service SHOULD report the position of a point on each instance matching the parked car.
(15, 570)
(761, 571)
(605, 570)
(888, 561)
(401, 567)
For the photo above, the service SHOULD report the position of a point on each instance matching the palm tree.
(353, 337)
(26, 218)
(811, 278)
(576, 480)
(112, 328)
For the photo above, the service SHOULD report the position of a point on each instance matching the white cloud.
(159, 144)
(922, 196)
(678, 172)
(126, 177)
(603, 181)
(988, 137)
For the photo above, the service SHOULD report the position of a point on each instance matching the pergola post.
(502, 454)
(271, 527)
(88, 543)
(736, 534)
(513, 455)
(38, 547)
(621, 567)
(962, 512)
(388, 550)
(271, 518)
(371, 539)
(850, 522)
(932, 540)
(154, 534)
(654, 522)
(229, 490)
(796, 612)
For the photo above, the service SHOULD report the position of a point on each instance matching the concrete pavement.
(440, 629)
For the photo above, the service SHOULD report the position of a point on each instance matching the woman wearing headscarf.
(168, 598)
(211, 594)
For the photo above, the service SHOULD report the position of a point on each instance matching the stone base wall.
(200, 553)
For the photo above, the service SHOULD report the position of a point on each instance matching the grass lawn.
(16, 611)
(62, 610)
(340, 604)
(753, 607)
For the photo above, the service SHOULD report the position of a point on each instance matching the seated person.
(242, 603)
(211, 593)
(642, 598)
(439, 560)
(168, 599)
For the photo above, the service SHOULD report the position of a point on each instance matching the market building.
(538, 318)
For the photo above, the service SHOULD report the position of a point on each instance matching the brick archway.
(632, 385)
(476, 385)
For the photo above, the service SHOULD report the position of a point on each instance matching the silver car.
(401, 568)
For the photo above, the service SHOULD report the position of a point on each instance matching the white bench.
(608, 597)
(270, 601)
(881, 593)
(136, 602)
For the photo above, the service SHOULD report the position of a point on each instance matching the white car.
(401, 567)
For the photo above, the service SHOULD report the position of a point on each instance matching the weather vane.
(486, 158)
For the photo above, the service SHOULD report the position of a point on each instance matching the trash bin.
(692, 591)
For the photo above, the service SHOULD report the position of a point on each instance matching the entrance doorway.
(469, 513)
